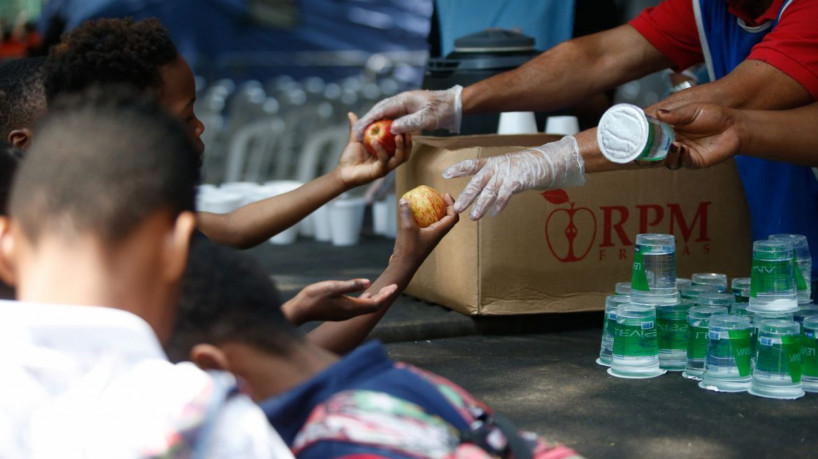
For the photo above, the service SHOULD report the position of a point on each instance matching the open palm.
(357, 166)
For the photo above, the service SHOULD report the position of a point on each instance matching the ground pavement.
(540, 372)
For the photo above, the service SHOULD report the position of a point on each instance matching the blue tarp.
(206, 30)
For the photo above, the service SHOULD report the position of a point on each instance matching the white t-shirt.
(94, 382)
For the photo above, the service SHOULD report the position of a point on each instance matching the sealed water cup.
(809, 354)
(692, 292)
(740, 287)
(635, 347)
(777, 373)
(727, 366)
(803, 264)
(612, 302)
(716, 279)
(623, 288)
(672, 335)
(715, 299)
(682, 282)
(772, 283)
(625, 133)
(653, 280)
(698, 321)
(757, 318)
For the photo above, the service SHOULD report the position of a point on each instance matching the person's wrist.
(337, 180)
(292, 312)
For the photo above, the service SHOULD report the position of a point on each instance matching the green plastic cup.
(608, 326)
(777, 373)
(635, 345)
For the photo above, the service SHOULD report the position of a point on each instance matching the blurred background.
(275, 78)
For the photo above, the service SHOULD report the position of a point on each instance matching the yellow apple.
(427, 205)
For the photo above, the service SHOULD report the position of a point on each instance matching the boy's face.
(178, 94)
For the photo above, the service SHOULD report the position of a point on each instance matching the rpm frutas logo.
(575, 232)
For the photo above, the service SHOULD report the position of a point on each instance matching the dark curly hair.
(110, 51)
(22, 96)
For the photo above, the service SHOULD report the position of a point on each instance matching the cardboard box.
(523, 262)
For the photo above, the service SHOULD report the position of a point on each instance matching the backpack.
(383, 421)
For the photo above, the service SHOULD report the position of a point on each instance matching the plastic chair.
(250, 152)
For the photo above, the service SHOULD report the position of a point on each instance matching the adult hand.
(413, 244)
(357, 166)
(416, 110)
(706, 134)
(329, 300)
(553, 165)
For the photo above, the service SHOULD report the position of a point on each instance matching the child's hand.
(357, 166)
(414, 244)
(328, 301)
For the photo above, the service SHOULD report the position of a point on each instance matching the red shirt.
(792, 46)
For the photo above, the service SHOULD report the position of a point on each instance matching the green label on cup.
(792, 349)
(740, 348)
(635, 340)
(672, 333)
(800, 282)
(771, 276)
(809, 355)
(639, 279)
(697, 343)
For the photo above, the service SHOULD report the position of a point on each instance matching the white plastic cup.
(247, 190)
(392, 216)
(562, 125)
(517, 123)
(219, 202)
(346, 218)
(307, 226)
(322, 224)
(380, 217)
(270, 189)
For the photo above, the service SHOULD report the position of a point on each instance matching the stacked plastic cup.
(692, 292)
(809, 354)
(757, 318)
(682, 282)
(715, 299)
(777, 373)
(740, 286)
(772, 285)
(698, 321)
(727, 366)
(606, 348)
(802, 261)
(635, 347)
(740, 309)
(672, 335)
(654, 269)
(623, 288)
(804, 311)
(716, 279)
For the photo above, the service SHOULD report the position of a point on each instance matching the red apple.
(428, 206)
(380, 132)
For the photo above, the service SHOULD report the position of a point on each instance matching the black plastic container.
(476, 57)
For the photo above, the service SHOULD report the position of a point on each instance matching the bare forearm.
(567, 73)
(342, 337)
(787, 135)
(254, 223)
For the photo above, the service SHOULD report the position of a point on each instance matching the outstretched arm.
(412, 246)
(707, 134)
(254, 223)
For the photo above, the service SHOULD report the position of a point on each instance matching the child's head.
(140, 54)
(109, 171)
(10, 157)
(22, 98)
(228, 298)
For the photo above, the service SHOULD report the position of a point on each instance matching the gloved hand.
(553, 165)
(416, 110)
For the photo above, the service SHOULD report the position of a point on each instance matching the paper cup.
(517, 123)
(247, 190)
(391, 216)
(275, 188)
(562, 125)
(322, 224)
(219, 202)
(346, 218)
(380, 217)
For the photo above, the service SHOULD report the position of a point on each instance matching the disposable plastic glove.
(416, 110)
(553, 165)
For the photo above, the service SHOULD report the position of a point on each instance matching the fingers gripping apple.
(427, 205)
(380, 132)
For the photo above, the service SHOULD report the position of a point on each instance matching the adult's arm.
(708, 134)
(559, 77)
